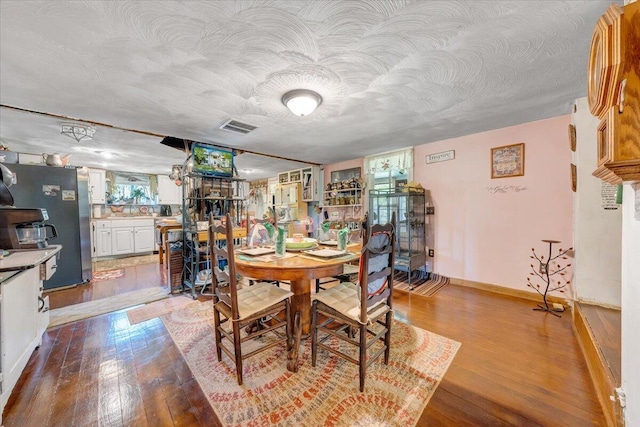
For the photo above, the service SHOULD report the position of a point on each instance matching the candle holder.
(549, 271)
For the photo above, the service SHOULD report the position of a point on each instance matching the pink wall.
(485, 237)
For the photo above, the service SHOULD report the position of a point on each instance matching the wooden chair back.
(223, 279)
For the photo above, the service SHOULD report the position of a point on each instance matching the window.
(130, 188)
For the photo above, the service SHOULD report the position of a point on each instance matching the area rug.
(101, 276)
(327, 395)
(132, 261)
(158, 308)
(84, 310)
(426, 287)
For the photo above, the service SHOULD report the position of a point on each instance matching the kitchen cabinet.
(168, 192)
(102, 238)
(97, 186)
(24, 314)
(143, 239)
(311, 187)
(613, 79)
(123, 236)
(122, 240)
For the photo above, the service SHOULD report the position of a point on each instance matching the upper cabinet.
(307, 177)
(168, 192)
(613, 79)
(97, 186)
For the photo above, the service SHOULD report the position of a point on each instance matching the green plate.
(307, 243)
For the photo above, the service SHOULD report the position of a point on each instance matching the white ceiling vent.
(238, 127)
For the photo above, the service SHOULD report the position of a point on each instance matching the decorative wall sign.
(574, 177)
(505, 189)
(440, 157)
(507, 161)
(608, 194)
(572, 137)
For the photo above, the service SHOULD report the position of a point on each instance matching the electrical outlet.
(431, 210)
(432, 253)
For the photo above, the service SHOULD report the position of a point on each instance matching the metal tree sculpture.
(546, 272)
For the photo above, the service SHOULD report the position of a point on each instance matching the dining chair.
(241, 307)
(363, 309)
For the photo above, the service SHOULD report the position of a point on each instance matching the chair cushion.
(260, 296)
(344, 299)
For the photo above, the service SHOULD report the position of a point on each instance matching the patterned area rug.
(71, 313)
(426, 287)
(132, 261)
(327, 395)
(101, 276)
(158, 308)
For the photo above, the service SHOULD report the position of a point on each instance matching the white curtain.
(386, 162)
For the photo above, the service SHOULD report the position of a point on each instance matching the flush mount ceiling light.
(301, 102)
(78, 131)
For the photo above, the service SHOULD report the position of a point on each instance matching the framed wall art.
(507, 161)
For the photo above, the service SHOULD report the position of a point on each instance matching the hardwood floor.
(516, 367)
(605, 323)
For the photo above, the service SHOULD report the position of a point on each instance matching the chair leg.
(237, 350)
(292, 356)
(216, 323)
(314, 333)
(387, 337)
(363, 355)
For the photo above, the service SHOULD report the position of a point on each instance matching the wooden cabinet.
(613, 79)
(97, 186)
(168, 192)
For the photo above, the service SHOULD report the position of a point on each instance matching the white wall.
(597, 232)
(631, 303)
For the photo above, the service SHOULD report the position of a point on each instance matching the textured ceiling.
(392, 74)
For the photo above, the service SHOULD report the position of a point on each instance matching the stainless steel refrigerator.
(64, 193)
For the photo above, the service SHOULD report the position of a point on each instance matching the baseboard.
(506, 291)
(601, 376)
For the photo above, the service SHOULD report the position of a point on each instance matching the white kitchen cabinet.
(122, 240)
(168, 192)
(123, 236)
(101, 238)
(311, 190)
(143, 239)
(24, 314)
(97, 186)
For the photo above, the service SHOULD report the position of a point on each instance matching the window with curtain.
(389, 171)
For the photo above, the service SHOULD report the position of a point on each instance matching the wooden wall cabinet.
(613, 92)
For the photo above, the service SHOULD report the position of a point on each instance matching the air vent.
(237, 127)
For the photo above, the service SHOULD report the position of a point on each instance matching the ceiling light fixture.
(78, 131)
(301, 102)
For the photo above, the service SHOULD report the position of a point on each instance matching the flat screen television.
(212, 161)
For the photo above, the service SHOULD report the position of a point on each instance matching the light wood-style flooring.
(516, 366)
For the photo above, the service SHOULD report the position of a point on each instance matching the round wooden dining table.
(300, 270)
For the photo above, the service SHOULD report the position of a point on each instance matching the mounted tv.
(212, 161)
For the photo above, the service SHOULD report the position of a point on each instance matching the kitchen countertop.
(109, 218)
(19, 260)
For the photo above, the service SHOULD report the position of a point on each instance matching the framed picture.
(507, 161)
(344, 174)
